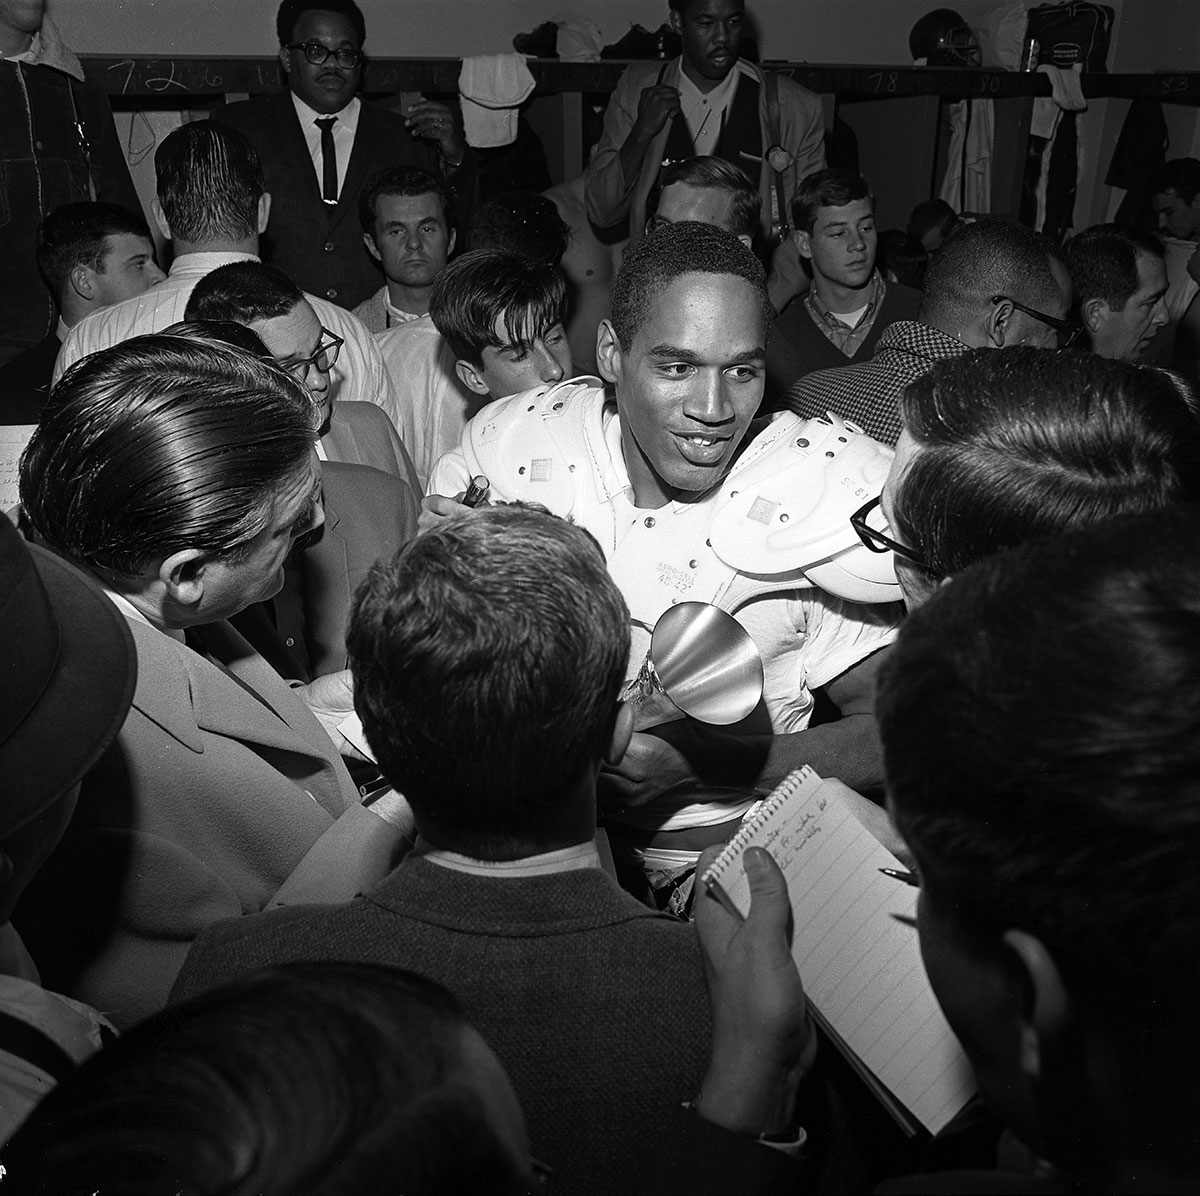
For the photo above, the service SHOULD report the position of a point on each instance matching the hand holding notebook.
(763, 1043)
(854, 947)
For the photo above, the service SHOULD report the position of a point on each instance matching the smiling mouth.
(702, 449)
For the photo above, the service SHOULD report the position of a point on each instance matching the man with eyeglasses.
(320, 143)
(370, 489)
(212, 207)
(994, 284)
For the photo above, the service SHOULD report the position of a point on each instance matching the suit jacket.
(218, 785)
(320, 245)
(594, 1004)
(363, 434)
(369, 516)
(372, 500)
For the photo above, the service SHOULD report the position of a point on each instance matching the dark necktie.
(329, 187)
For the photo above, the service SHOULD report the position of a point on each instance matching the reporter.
(179, 473)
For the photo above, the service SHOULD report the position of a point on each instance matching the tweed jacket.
(219, 784)
(594, 1004)
(868, 393)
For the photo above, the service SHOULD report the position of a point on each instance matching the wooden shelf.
(181, 76)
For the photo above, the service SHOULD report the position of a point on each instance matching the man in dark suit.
(488, 658)
(319, 144)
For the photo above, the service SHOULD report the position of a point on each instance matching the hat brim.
(85, 703)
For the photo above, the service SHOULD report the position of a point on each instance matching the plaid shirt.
(868, 393)
(840, 333)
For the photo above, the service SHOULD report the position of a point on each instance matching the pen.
(476, 491)
(909, 878)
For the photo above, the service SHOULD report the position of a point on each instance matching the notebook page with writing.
(13, 439)
(860, 965)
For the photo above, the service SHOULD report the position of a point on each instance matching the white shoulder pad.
(787, 506)
(533, 445)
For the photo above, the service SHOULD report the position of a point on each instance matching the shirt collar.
(719, 97)
(396, 316)
(196, 265)
(878, 290)
(130, 611)
(565, 859)
(348, 116)
(47, 49)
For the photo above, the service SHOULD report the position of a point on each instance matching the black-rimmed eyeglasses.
(319, 54)
(322, 359)
(1068, 331)
(877, 540)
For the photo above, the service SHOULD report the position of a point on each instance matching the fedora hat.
(67, 674)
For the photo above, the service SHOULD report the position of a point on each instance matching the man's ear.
(369, 242)
(997, 324)
(1050, 1008)
(83, 282)
(608, 349)
(622, 734)
(182, 575)
(285, 60)
(264, 211)
(676, 20)
(745, 240)
(451, 241)
(1092, 313)
(803, 244)
(470, 376)
(159, 218)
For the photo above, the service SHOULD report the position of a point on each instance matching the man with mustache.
(709, 101)
(319, 144)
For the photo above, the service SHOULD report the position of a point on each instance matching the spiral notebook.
(855, 945)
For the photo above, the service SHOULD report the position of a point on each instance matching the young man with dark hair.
(407, 216)
(521, 222)
(659, 466)
(504, 306)
(709, 101)
(849, 305)
(1177, 199)
(1002, 448)
(1054, 688)
(320, 143)
(503, 633)
(211, 205)
(1119, 276)
(91, 255)
(994, 284)
(502, 319)
(708, 190)
(931, 222)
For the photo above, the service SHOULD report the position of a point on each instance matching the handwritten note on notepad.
(13, 439)
(861, 967)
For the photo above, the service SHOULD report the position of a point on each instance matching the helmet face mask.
(943, 38)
